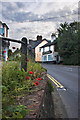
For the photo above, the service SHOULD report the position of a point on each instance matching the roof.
(49, 44)
(40, 42)
(4, 24)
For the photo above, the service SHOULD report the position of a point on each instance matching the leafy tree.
(67, 42)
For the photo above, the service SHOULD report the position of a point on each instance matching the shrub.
(15, 83)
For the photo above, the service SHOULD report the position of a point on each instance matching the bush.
(16, 83)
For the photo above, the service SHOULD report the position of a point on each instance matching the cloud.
(22, 12)
(30, 19)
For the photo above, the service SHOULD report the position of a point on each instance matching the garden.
(17, 85)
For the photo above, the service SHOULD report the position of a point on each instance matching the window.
(49, 47)
(44, 58)
(50, 58)
(39, 49)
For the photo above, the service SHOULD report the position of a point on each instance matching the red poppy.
(27, 59)
(38, 78)
(27, 77)
(4, 51)
(31, 72)
(13, 47)
(36, 83)
(7, 58)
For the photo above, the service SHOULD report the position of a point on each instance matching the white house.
(49, 52)
(37, 49)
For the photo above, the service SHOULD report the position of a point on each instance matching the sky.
(29, 18)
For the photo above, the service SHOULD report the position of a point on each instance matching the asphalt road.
(68, 77)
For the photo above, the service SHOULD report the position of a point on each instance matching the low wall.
(47, 107)
(40, 101)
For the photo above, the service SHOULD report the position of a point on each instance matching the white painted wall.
(5, 31)
(53, 53)
(38, 54)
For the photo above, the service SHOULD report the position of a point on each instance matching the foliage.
(9, 52)
(15, 84)
(67, 42)
(51, 88)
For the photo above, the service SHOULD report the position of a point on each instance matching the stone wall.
(40, 101)
(47, 107)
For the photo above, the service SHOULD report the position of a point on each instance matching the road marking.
(55, 81)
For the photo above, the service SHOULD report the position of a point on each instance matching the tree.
(67, 42)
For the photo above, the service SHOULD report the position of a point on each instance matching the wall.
(40, 102)
(5, 46)
(53, 58)
(38, 54)
(47, 106)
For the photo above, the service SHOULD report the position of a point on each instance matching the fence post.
(24, 54)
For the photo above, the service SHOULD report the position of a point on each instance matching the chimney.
(53, 37)
(39, 38)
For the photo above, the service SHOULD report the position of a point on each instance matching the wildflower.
(38, 78)
(27, 59)
(31, 72)
(27, 77)
(7, 58)
(36, 83)
(4, 51)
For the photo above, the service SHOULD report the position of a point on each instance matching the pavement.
(65, 80)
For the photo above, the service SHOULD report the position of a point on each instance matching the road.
(67, 76)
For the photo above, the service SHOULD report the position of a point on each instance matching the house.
(5, 44)
(32, 43)
(37, 49)
(49, 52)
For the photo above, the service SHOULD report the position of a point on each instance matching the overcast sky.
(36, 17)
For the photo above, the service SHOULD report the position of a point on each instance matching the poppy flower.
(13, 47)
(36, 83)
(38, 78)
(4, 51)
(7, 58)
(27, 77)
(31, 72)
(27, 59)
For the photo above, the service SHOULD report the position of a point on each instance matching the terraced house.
(38, 52)
(46, 51)
(4, 45)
